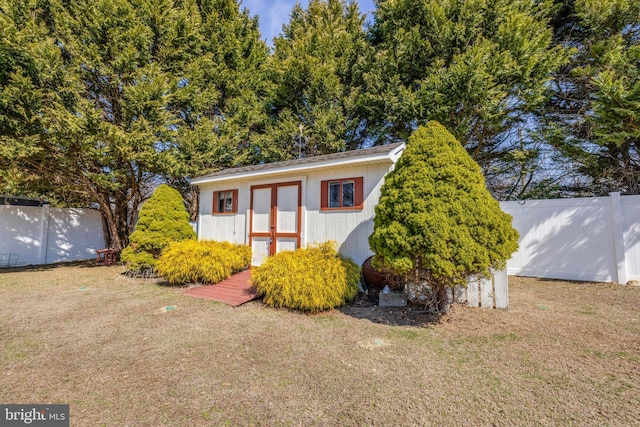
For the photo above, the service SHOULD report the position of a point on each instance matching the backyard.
(123, 351)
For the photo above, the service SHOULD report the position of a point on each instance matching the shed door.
(275, 219)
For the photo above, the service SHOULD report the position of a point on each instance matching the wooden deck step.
(234, 291)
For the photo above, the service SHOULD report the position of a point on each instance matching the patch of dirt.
(367, 308)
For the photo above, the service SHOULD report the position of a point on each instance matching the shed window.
(341, 194)
(225, 202)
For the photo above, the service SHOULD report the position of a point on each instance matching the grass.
(116, 354)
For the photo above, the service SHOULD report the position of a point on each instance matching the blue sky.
(273, 13)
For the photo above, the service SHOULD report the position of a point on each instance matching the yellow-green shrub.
(163, 219)
(202, 261)
(311, 279)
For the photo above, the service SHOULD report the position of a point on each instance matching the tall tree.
(234, 57)
(103, 99)
(594, 111)
(32, 90)
(222, 96)
(314, 66)
(479, 67)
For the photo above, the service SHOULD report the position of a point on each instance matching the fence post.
(617, 225)
(472, 292)
(460, 294)
(501, 288)
(486, 292)
(44, 233)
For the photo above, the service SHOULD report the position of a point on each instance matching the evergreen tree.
(222, 98)
(163, 219)
(435, 220)
(593, 113)
(102, 99)
(477, 66)
(314, 66)
(33, 92)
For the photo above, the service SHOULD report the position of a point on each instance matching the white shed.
(285, 205)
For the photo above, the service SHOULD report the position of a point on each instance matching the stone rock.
(392, 299)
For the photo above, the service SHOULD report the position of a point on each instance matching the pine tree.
(435, 220)
(101, 99)
(593, 113)
(33, 91)
(313, 67)
(479, 67)
(163, 219)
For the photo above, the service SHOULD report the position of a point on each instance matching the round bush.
(202, 261)
(435, 220)
(163, 219)
(312, 279)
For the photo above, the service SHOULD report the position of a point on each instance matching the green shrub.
(435, 220)
(311, 279)
(203, 261)
(137, 260)
(163, 219)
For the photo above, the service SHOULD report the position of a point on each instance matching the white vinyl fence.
(32, 235)
(592, 239)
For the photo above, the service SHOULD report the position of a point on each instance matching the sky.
(273, 13)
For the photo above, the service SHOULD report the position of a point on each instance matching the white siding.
(230, 228)
(350, 229)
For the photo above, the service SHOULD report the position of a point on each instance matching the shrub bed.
(311, 279)
(202, 261)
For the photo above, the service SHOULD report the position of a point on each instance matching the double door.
(275, 219)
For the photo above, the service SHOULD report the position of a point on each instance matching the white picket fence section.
(484, 292)
(31, 235)
(591, 239)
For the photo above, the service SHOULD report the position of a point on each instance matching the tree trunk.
(112, 230)
(105, 230)
(122, 219)
(444, 301)
(111, 222)
(194, 203)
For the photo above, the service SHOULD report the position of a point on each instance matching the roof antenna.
(300, 142)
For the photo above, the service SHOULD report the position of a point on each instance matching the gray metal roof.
(21, 201)
(381, 150)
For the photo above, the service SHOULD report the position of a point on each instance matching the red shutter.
(214, 208)
(234, 207)
(324, 194)
(359, 190)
